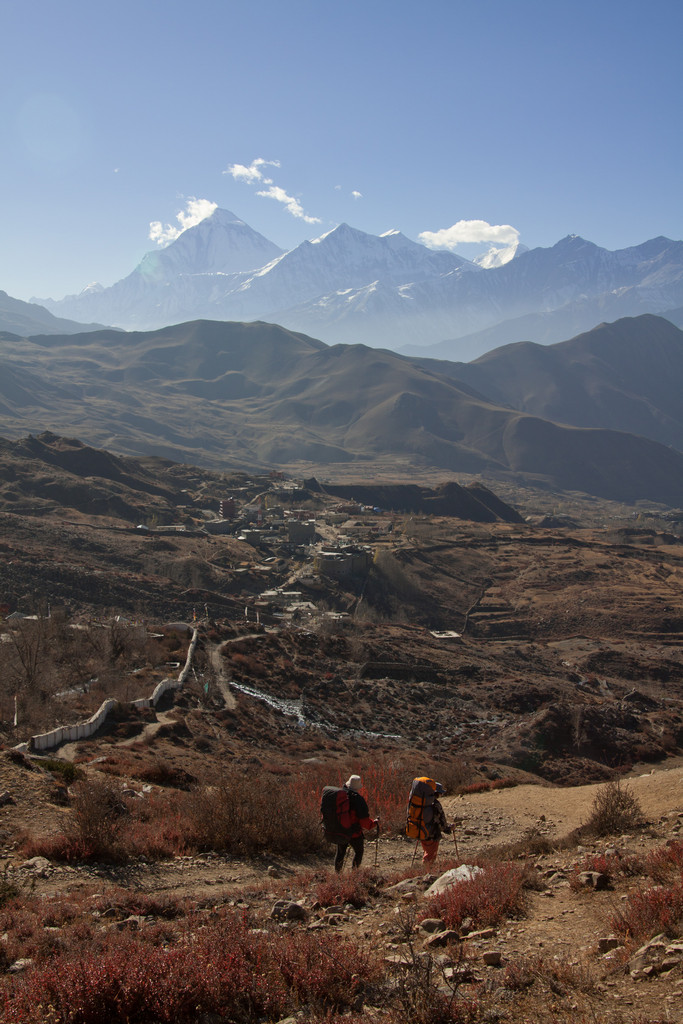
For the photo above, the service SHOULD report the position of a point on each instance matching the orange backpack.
(421, 808)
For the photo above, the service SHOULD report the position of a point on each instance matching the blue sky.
(536, 117)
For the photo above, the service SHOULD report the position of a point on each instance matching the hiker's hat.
(439, 789)
(353, 783)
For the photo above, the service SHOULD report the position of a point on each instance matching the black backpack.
(338, 820)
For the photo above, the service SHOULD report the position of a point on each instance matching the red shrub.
(226, 969)
(487, 899)
(647, 913)
(329, 973)
(661, 864)
(355, 888)
(486, 787)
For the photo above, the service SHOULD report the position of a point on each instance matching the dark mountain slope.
(600, 462)
(257, 395)
(474, 502)
(45, 470)
(622, 376)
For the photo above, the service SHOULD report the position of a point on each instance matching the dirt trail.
(504, 815)
(218, 665)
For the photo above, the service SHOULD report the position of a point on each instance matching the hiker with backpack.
(426, 819)
(345, 815)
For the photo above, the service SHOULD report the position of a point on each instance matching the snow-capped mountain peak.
(499, 257)
(221, 243)
(385, 290)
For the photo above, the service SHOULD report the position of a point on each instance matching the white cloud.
(469, 231)
(290, 204)
(252, 173)
(196, 210)
(356, 194)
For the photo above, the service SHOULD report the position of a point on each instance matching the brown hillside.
(255, 395)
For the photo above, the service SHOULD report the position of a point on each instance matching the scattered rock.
(463, 873)
(593, 879)
(432, 924)
(483, 933)
(440, 939)
(128, 924)
(398, 960)
(289, 910)
(609, 942)
(40, 865)
(646, 961)
(20, 965)
(411, 884)
(462, 974)
(492, 957)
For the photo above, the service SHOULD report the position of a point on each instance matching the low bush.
(665, 862)
(162, 773)
(247, 814)
(559, 976)
(650, 912)
(8, 888)
(531, 844)
(79, 917)
(427, 994)
(64, 770)
(228, 970)
(242, 814)
(615, 809)
(492, 896)
(486, 787)
(355, 887)
(94, 830)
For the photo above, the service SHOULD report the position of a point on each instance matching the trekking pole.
(377, 840)
(455, 840)
(414, 852)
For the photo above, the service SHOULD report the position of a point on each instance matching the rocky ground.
(561, 959)
(566, 672)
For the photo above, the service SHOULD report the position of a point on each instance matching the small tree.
(28, 651)
(98, 813)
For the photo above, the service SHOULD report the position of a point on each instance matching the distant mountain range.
(256, 395)
(385, 291)
(27, 318)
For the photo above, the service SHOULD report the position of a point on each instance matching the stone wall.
(82, 730)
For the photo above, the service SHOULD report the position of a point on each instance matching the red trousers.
(431, 848)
